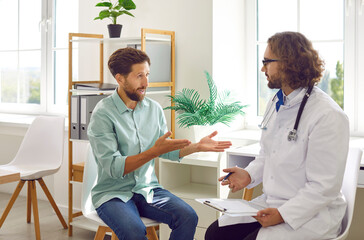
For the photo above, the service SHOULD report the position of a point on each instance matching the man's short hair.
(300, 64)
(123, 59)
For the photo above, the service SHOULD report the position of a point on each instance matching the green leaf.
(212, 89)
(104, 4)
(104, 14)
(127, 13)
(127, 4)
(192, 110)
(115, 14)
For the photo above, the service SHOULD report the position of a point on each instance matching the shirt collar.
(120, 105)
(293, 97)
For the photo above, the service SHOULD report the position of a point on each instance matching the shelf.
(79, 140)
(199, 159)
(90, 92)
(76, 182)
(195, 190)
(109, 92)
(135, 40)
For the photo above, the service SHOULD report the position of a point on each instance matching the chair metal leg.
(33, 192)
(100, 234)
(53, 203)
(29, 203)
(151, 233)
(11, 201)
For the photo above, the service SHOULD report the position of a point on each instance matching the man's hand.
(238, 180)
(165, 145)
(161, 146)
(269, 217)
(207, 144)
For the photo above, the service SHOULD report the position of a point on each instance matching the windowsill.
(17, 124)
(15, 120)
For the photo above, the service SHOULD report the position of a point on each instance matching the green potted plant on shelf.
(113, 11)
(218, 109)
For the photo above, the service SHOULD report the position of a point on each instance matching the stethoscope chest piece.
(292, 135)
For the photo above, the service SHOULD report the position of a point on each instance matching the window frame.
(47, 67)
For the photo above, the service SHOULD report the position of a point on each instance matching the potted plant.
(113, 11)
(193, 111)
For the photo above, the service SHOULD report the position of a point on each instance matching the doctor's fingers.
(235, 188)
(227, 170)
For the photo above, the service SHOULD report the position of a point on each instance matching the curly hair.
(302, 66)
(122, 60)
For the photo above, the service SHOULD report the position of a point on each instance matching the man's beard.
(275, 82)
(134, 95)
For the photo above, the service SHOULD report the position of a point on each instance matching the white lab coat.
(303, 178)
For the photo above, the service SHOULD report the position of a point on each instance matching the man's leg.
(241, 231)
(169, 209)
(123, 219)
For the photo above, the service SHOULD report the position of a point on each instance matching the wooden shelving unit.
(75, 170)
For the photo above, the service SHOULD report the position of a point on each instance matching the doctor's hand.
(269, 217)
(238, 180)
(207, 144)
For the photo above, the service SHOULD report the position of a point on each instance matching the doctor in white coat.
(301, 165)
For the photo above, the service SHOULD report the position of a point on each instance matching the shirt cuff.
(252, 179)
(173, 156)
(118, 167)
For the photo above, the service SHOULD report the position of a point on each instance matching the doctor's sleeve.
(255, 169)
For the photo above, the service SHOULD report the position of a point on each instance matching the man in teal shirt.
(127, 131)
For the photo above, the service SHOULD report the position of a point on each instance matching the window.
(33, 56)
(321, 21)
(336, 29)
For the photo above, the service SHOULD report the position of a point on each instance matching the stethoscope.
(292, 135)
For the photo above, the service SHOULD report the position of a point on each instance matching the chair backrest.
(349, 186)
(89, 181)
(43, 143)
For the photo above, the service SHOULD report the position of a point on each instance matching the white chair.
(40, 154)
(88, 210)
(348, 188)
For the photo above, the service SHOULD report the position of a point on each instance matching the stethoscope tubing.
(292, 135)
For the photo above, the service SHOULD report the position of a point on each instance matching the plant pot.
(114, 30)
(196, 132)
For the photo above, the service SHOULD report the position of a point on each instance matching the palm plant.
(192, 110)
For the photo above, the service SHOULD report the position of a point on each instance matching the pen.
(227, 176)
(208, 203)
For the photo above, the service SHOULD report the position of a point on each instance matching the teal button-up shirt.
(116, 132)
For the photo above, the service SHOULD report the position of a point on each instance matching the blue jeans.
(165, 208)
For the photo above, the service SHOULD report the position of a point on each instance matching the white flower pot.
(196, 132)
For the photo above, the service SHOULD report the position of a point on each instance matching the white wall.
(192, 22)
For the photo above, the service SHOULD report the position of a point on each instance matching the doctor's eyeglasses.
(266, 61)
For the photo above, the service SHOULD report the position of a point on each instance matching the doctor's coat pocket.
(293, 153)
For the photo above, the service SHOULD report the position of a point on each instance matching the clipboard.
(233, 207)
